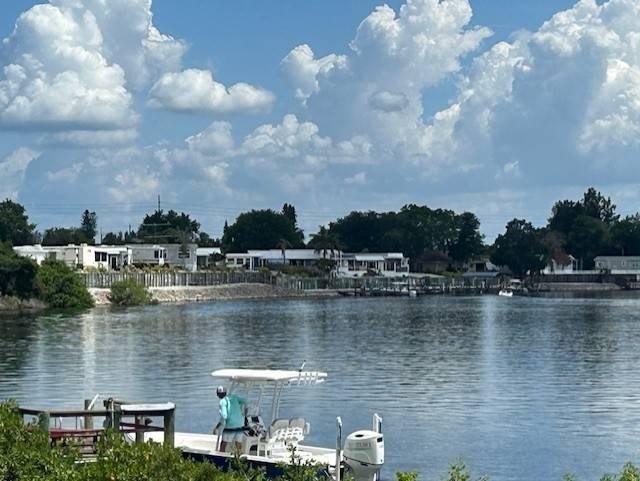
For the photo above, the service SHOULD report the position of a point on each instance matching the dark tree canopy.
(599, 207)
(520, 248)
(260, 229)
(289, 211)
(62, 236)
(205, 240)
(14, 224)
(111, 238)
(589, 227)
(89, 225)
(625, 236)
(588, 238)
(414, 231)
(170, 228)
(469, 241)
(563, 215)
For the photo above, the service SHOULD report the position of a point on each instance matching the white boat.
(267, 441)
(505, 293)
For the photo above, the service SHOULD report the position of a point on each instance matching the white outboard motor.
(364, 454)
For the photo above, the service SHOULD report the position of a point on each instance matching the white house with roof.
(352, 265)
(83, 256)
(79, 256)
(390, 264)
(147, 255)
(206, 256)
(36, 253)
(255, 259)
(618, 264)
(182, 256)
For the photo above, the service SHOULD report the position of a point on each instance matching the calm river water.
(520, 389)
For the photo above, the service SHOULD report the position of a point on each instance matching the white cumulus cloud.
(13, 168)
(215, 139)
(195, 90)
(67, 174)
(376, 91)
(561, 103)
(70, 64)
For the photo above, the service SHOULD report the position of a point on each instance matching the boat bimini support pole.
(338, 447)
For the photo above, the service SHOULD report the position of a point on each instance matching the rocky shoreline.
(216, 293)
(13, 304)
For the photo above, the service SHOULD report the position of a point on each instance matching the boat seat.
(277, 425)
(281, 434)
(300, 422)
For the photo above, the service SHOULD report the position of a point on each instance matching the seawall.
(577, 287)
(217, 293)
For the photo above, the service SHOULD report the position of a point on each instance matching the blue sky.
(494, 106)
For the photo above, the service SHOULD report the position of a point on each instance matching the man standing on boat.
(232, 411)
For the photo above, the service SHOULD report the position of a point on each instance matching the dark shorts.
(233, 435)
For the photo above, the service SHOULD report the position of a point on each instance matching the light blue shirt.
(231, 412)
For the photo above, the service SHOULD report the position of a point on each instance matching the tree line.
(583, 228)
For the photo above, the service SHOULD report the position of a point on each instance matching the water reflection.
(524, 389)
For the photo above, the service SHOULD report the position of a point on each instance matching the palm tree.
(324, 241)
(283, 245)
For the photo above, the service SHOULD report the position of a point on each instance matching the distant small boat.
(505, 293)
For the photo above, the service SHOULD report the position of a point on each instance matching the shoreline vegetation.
(27, 454)
(436, 241)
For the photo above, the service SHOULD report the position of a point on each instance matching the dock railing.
(386, 284)
(175, 278)
(202, 279)
(80, 426)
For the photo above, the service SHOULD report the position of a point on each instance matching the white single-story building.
(35, 252)
(618, 264)
(106, 257)
(206, 256)
(182, 256)
(255, 259)
(352, 265)
(390, 264)
(80, 256)
(147, 255)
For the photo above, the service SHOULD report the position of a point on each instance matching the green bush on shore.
(129, 293)
(62, 287)
(17, 274)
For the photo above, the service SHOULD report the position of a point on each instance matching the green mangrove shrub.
(18, 275)
(62, 287)
(26, 454)
(129, 293)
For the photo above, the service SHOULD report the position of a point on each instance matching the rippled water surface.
(521, 389)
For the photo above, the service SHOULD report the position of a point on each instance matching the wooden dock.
(84, 427)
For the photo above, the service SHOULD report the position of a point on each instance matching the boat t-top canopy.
(270, 375)
(267, 379)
